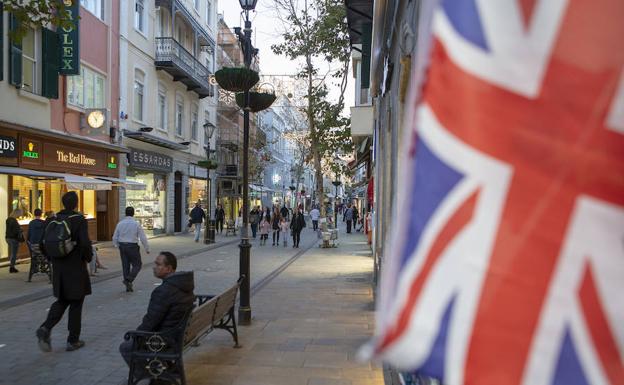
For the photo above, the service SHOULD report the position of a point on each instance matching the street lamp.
(336, 183)
(244, 308)
(209, 227)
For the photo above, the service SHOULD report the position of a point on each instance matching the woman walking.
(296, 225)
(13, 236)
(275, 221)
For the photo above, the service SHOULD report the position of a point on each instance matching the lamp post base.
(244, 308)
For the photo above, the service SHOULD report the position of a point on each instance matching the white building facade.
(167, 105)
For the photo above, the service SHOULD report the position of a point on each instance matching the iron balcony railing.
(172, 56)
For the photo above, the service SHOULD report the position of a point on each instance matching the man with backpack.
(66, 242)
(126, 237)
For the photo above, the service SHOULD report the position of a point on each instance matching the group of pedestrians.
(280, 222)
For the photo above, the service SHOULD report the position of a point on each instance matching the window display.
(149, 204)
(197, 192)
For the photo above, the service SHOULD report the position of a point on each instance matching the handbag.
(190, 223)
(20, 236)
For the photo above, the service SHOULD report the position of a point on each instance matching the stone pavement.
(14, 288)
(308, 322)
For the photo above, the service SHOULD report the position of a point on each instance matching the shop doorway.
(101, 205)
(177, 196)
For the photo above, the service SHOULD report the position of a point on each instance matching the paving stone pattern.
(308, 323)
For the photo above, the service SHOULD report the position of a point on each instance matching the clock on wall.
(95, 121)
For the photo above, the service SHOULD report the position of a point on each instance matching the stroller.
(39, 263)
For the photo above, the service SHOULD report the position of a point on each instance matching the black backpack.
(57, 242)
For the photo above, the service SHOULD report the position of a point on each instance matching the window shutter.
(51, 60)
(1, 41)
(15, 56)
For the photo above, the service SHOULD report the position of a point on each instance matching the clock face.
(95, 119)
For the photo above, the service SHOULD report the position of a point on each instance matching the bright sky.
(267, 30)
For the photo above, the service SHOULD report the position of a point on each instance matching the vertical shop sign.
(70, 40)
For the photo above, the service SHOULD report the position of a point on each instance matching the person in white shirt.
(127, 235)
(314, 215)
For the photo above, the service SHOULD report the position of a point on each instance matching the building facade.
(167, 103)
(59, 95)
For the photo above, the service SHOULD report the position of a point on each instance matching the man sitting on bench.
(170, 301)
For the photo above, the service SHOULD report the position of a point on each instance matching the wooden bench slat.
(201, 320)
(225, 303)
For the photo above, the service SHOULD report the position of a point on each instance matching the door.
(101, 207)
(178, 196)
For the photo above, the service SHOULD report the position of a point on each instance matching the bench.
(158, 355)
(39, 264)
(230, 228)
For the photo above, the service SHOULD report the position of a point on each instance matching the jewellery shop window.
(149, 204)
(197, 192)
(29, 194)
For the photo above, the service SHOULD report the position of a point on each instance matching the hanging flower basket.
(209, 164)
(258, 101)
(238, 79)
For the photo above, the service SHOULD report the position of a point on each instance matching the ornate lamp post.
(209, 236)
(244, 308)
(336, 183)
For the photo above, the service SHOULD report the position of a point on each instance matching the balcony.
(229, 171)
(179, 63)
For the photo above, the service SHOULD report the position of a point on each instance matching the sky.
(267, 30)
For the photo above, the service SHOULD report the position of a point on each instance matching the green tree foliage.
(316, 33)
(37, 13)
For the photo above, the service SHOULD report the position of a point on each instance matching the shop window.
(87, 89)
(150, 205)
(197, 192)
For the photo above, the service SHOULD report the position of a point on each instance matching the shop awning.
(127, 184)
(153, 139)
(73, 182)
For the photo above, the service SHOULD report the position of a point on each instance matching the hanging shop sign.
(70, 40)
(148, 160)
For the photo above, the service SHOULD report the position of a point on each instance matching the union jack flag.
(507, 264)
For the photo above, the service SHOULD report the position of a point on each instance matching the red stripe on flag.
(455, 224)
(600, 330)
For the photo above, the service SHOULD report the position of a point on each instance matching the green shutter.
(15, 55)
(51, 58)
(367, 31)
(1, 41)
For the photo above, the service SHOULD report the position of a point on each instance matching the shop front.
(35, 172)
(197, 187)
(150, 205)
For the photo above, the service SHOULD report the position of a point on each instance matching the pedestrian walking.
(296, 225)
(315, 214)
(197, 218)
(285, 213)
(127, 235)
(284, 227)
(275, 222)
(348, 217)
(66, 241)
(356, 216)
(254, 217)
(219, 218)
(13, 236)
(35, 228)
(265, 227)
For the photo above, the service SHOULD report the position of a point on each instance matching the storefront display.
(197, 192)
(150, 205)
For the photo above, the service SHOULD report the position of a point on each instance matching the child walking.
(284, 227)
(265, 227)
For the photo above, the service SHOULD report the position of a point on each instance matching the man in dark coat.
(169, 302)
(296, 225)
(70, 278)
(219, 218)
(197, 218)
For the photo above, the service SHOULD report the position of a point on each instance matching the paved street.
(288, 311)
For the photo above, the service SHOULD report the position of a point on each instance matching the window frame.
(195, 123)
(97, 75)
(36, 61)
(141, 82)
(179, 116)
(99, 4)
(139, 17)
(163, 110)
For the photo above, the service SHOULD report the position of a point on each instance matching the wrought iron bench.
(38, 263)
(230, 227)
(158, 355)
